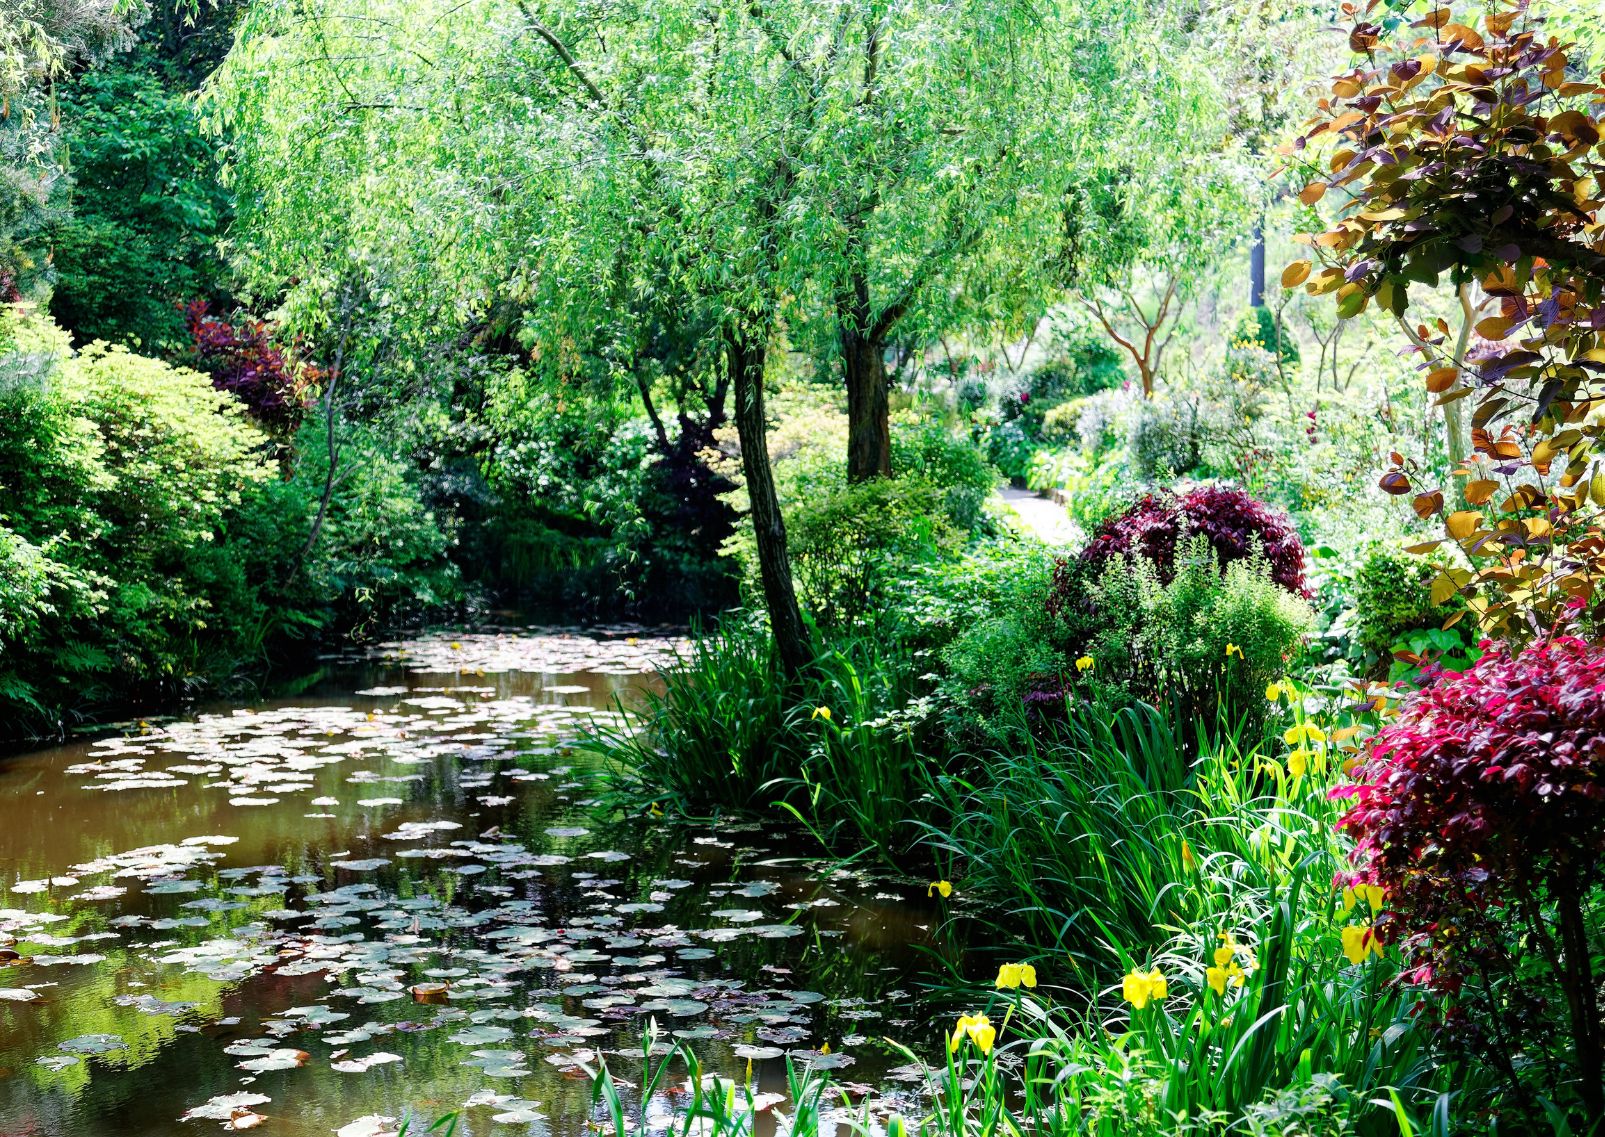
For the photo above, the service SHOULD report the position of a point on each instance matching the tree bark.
(869, 433)
(744, 357)
(1256, 266)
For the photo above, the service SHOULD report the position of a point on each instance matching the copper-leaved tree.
(1467, 148)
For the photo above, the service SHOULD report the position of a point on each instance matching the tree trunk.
(1256, 266)
(744, 356)
(869, 433)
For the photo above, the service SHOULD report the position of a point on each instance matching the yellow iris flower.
(1084, 663)
(1359, 942)
(1302, 733)
(1233, 649)
(1372, 894)
(1219, 977)
(1017, 975)
(978, 1029)
(1227, 971)
(1273, 691)
(820, 713)
(1140, 988)
(1298, 762)
(942, 887)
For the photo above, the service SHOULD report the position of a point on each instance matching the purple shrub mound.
(1235, 524)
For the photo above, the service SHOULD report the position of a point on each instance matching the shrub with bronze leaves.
(1481, 814)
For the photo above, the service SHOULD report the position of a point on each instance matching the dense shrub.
(379, 554)
(1481, 815)
(117, 475)
(1164, 439)
(1236, 525)
(1060, 422)
(147, 209)
(1204, 643)
(952, 465)
(150, 544)
(851, 544)
(1393, 598)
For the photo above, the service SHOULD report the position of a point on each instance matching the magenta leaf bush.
(246, 358)
(1481, 813)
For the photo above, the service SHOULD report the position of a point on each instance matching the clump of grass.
(837, 747)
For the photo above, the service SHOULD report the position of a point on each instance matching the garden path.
(1041, 517)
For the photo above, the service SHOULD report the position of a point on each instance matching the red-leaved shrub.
(1481, 813)
(1235, 523)
(246, 359)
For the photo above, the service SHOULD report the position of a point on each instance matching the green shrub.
(1060, 422)
(1260, 327)
(1206, 645)
(117, 476)
(1081, 361)
(1164, 438)
(729, 730)
(850, 544)
(1393, 597)
(952, 465)
(147, 210)
(379, 554)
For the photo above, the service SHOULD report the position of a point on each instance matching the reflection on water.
(389, 894)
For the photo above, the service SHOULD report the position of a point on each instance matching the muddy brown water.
(393, 895)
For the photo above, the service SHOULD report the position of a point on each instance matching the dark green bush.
(1393, 597)
(952, 464)
(147, 210)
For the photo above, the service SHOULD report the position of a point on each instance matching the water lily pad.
(224, 1106)
(93, 1044)
(365, 1063)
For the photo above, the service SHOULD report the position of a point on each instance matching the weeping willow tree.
(748, 171)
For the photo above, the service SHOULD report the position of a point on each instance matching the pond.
(394, 893)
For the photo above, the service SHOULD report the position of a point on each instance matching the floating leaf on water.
(284, 1059)
(373, 1125)
(57, 1061)
(365, 1063)
(429, 992)
(757, 1053)
(17, 995)
(223, 1107)
(93, 1044)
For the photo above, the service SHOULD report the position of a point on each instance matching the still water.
(393, 895)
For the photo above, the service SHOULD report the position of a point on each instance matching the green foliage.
(1260, 327)
(151, 546)
(1205, 645)
(147, 210)
(1164, 438)
(952, 466)
(117, 473)
(1080, 361)
(850, 545)
(379, 555)
(1393, 599)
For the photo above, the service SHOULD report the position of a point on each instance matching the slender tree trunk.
(1256, 266)
(1582, 1000)
(744, 356)
(869, 432)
